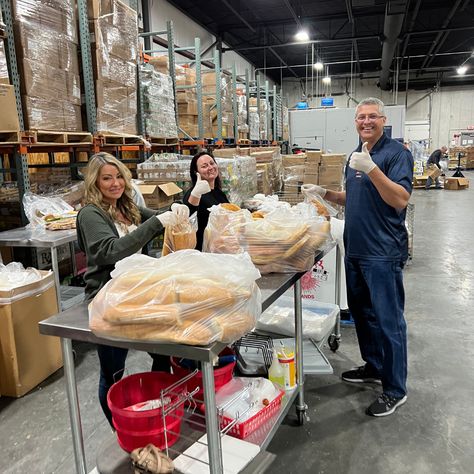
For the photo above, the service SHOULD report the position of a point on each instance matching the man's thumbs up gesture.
(361, 161)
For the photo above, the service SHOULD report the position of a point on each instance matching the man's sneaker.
(385, 405)
(360, 375)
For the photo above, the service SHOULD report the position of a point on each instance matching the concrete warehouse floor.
(432, 433)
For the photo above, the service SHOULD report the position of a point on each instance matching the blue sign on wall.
(327, 102)
(302, 105)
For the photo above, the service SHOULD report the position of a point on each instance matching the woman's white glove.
(362, 161)
(313, 189)
(181, 211)
(168, 218)
(201, 187)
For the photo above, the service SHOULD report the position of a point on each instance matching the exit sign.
(470, 127)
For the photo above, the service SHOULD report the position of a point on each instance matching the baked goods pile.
(187, 297)
(180, 236)
(284, 240)
(60, 221)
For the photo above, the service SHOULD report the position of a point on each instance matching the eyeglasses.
(370, 118)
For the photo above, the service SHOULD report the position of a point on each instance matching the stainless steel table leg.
(212, 426)
(73, 258)
(55, 267)
(300, 404)
(73, 402)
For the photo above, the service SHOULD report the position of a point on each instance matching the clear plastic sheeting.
(46, 33)
(15, 275)
(254, 124)
(283, 241)
(238, 177)
(158, 103)
(165, 167)
(114, 37)
(4, 78)
(155, 300)
(43, 209)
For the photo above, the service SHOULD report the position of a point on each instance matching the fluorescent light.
(461, 70)
(302, 35)
(319, 66)
(326, 80)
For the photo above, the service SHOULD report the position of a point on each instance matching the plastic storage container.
(136, 429)
(318, 318)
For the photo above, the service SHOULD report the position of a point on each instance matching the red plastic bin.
(222, 375)
(242, 430)
(136, 429)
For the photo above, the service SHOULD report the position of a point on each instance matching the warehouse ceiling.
(426, 40)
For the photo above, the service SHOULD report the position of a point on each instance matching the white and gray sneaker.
(385, 405)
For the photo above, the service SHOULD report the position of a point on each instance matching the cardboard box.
(310, 178)
(456, 184)
(433, 172)
(160, 64)
(9, 116)
(330, 175)
(313, 157)
(333, 159)
(158, 196)
(26, 356)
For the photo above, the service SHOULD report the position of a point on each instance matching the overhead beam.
(437, 43)
(293, 13)
(411, 26)
(239, 16)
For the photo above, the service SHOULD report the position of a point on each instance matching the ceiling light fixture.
(302, 35)
(319, 66)
(461, 70)
(326, 80)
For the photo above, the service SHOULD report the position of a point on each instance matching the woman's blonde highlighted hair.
(93, 195)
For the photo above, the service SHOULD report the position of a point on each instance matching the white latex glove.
(167, 218)
(201, 187)
(181, 211)
(313, 189)
(361, 161)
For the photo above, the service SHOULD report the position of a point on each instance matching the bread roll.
(235, 325)
(228, 206)
(142, 314)
(184, 240)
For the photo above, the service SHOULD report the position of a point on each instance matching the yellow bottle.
(275, 372)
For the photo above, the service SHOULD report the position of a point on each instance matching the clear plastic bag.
(15, 275)
(181, 236)
(43, 210)
(323, 207)
(283, 241)
(187, 297)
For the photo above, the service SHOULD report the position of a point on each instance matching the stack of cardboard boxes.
(158, 103)
(47, 53)
(467, 158)
(114, 38)
(269, 169)
(4, 79)
(331, 171)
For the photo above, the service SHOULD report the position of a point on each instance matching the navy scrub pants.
(376, 300)
(112, 366)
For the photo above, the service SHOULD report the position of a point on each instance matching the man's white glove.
(201, 187)
(313, 189)
(168, 218)
(181, 211)
(361, 161)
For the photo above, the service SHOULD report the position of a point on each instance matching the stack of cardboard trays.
(47, 51)
(331, 171)
(114, 37)
(269, 169)
(467, 157)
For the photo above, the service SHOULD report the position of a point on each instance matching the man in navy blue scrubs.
(378, 186)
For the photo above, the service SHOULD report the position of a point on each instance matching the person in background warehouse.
(111, 227)
(434, 159)
(206, 191)
(378, 186)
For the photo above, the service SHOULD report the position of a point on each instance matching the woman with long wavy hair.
(111, 227)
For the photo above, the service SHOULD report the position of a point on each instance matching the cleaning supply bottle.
(275, 372)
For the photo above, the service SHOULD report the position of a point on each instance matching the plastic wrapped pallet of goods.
(160, 64)
(4, 78)
(165, 167)
(254, 124)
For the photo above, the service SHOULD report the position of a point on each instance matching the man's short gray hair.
(372, 101)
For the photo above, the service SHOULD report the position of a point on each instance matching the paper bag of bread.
(283, 241)
(182, 235)
(187, 297)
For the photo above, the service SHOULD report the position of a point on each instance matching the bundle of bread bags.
(182, 235)
(187, 297)
(282, 240)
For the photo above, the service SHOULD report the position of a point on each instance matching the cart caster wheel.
(333, 343)
(300, 416)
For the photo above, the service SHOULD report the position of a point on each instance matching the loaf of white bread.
(187, 307)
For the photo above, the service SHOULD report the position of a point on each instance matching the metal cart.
(73, 324)
(25, 237)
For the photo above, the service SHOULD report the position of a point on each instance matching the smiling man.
(378, 186)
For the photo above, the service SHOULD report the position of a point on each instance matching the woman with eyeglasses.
(206, 191)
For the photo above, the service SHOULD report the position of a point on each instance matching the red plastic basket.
(242, 430)
(222, 375)
(136, 429)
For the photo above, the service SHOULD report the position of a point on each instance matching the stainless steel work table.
(73, 324)
(52, 239)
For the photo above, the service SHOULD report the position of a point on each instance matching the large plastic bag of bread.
(284, 240)
(322, 207)
(187, 297)
(182, 235)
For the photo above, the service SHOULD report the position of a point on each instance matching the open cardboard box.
(456, 184)
(157, 195)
